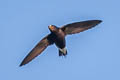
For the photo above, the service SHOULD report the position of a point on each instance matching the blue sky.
(92, 55)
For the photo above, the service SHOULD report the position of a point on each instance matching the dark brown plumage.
(57, 36)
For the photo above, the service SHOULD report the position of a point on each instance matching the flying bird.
(57, 36)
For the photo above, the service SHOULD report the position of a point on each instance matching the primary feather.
(79, 26)
(41, 46)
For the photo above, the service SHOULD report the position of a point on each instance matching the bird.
(57, 36)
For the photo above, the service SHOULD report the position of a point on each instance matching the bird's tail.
(63, 52)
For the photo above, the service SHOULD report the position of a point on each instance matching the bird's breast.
(60, 39)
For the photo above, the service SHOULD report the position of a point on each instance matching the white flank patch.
(63, 50)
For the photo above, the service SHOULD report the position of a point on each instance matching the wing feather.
(38, 49)
(79, 26)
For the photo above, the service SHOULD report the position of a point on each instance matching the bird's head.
(53, 28)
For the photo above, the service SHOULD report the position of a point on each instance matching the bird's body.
(59, 39)
(57, 36)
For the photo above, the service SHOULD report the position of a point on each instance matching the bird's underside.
(57, 36)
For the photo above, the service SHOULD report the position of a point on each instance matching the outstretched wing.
(79, 26)
(41, 46)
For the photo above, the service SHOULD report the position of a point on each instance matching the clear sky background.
(92, 55)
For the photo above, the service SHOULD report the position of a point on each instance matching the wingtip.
(99, 21)
(20, 65)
